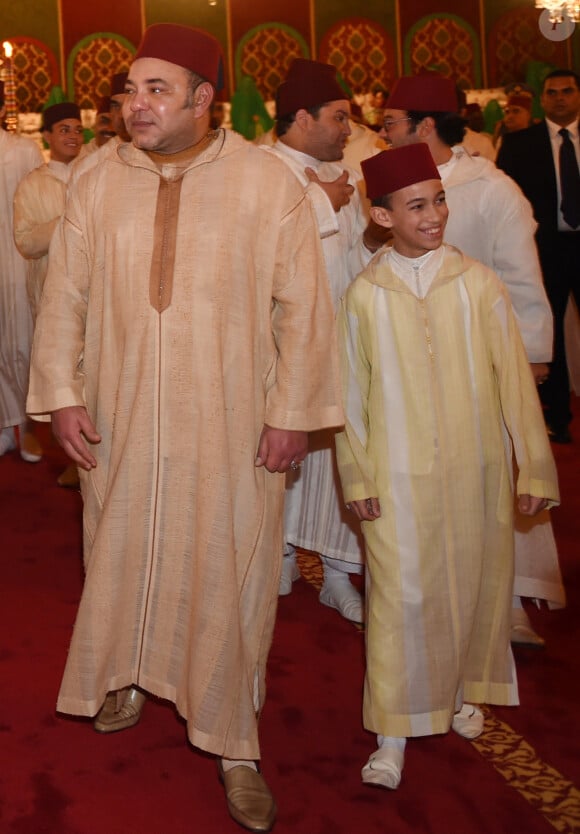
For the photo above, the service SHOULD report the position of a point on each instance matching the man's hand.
(71, 426)
(278, 449)
(367, 509)
(529, 505)
(338, 191)
(541, 372)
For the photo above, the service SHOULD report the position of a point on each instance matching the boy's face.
(417, 218)
(65, 140)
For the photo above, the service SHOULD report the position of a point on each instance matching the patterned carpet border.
(541, 785)
(546, 790)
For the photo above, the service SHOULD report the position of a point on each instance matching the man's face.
(397, 128)
(103, 128)
(117, 121)
(516, 118)
(159, 110)
(561, 100)
(417, 216)
(65, 140)
(326, 136)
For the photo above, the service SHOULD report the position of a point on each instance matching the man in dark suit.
(544, 161)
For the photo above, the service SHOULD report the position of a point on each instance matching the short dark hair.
(384, 201)
(284, 123)
(562, 73)
(450, 127)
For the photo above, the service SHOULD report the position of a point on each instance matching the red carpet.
(58, 776)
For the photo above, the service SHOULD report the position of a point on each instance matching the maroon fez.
(118, 83)
(308, 84)
(104, 105)
(186, 47)
(427, 93)
(58, 112)
(389, 171)
(520, 100)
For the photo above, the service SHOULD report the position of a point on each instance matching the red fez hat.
(389, 171)
(308, 84)
(104, 105)
(427, 93)
(186, 47)
(118, 83)
(520, 100)
(58, 113)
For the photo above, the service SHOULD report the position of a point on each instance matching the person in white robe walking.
(18, 156)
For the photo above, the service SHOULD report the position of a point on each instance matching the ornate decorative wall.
(265, 53)
(478, 42)
(35, 72)
(91, 64)
(362, 51)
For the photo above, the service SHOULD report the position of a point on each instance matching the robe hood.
(466, 168)
(379, 271)
(223, 144)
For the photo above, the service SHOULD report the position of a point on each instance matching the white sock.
(228, 764)
(333, 575)
(392, 741)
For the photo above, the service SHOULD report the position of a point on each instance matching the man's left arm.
(32, 237)
(515, 260)
(56, 377)
(305, 395)
(522, 414)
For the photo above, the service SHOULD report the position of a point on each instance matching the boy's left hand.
(530, 505)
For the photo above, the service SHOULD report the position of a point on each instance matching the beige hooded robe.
(186, 306)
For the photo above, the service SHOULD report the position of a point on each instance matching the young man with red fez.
(490, 220)
(41, 196)
(312, 128)
(18, 156)
(39, 204)
(438, 396)
(179, 357)
(544, 161)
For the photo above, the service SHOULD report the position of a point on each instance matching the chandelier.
(559, 10)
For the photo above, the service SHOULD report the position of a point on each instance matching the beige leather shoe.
(250, 802)
(121, 710)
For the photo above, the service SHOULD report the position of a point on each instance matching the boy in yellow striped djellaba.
(439, 400)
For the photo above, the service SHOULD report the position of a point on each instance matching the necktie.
(569, 181)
